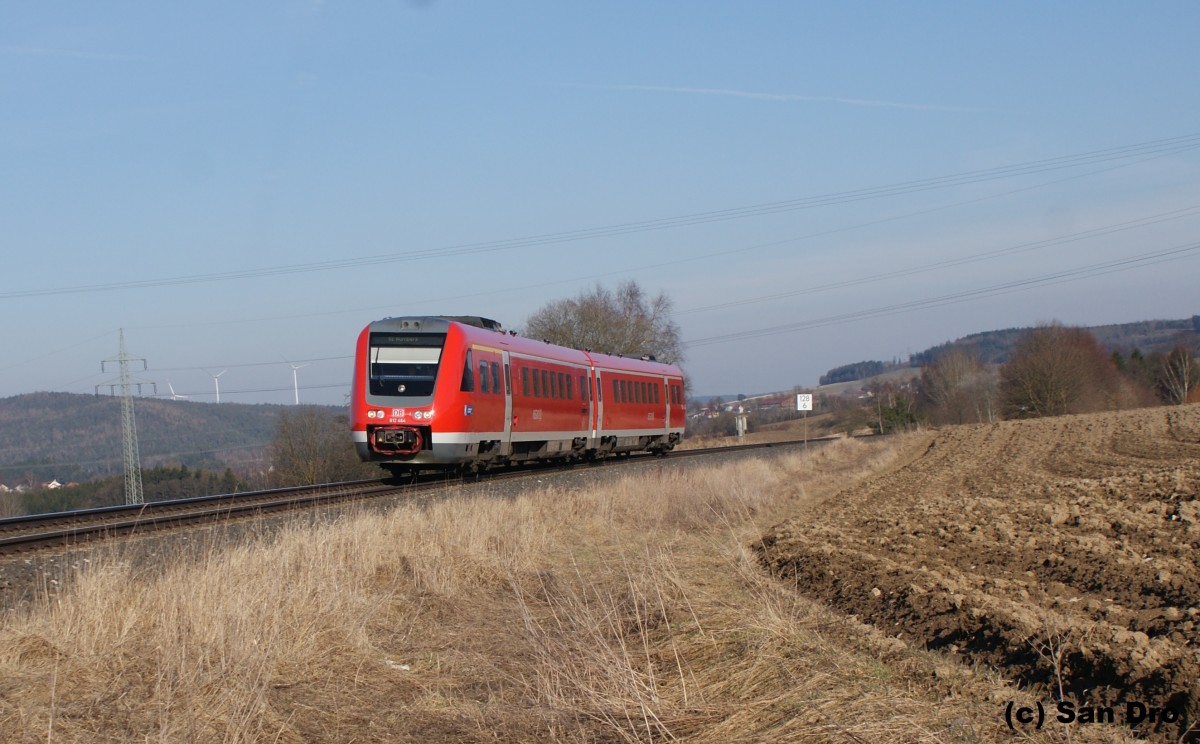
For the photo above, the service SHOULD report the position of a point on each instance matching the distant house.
(5, 489)
(52, 485)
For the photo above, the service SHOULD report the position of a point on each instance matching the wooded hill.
(994, 347)
(73, 437)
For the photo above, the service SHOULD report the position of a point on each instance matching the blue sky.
(243, 186)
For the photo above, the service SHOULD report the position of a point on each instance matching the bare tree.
(1055, 370)
(959, 388)
(1178, 375)
(311, 446)
(626, 322)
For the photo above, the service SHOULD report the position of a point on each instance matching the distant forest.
(994, 347)
(74, 438)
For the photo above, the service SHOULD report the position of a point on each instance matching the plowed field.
(1061, 551)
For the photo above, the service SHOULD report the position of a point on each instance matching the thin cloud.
(789, 97)
(18, 51)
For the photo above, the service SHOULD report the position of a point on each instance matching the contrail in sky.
(19, 51)
(788, 97)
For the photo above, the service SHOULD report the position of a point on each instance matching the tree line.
(1051, 370)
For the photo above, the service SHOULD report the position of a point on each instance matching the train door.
(597, 409)
(585, 405)
(506, 446)
(665, 389)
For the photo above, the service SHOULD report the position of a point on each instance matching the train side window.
(537, 384)
(525, 381)
(468, 377)
(616, 391)
(555, 392)
(582, 388)
(562, 385)
(496, 377)
(483, 377)
(567, 377)
(654, 391)
(507, 379)
(545, 384)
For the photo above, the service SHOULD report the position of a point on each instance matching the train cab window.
(483, 377)
(468, 378)
(525, 381)
(496, 378)
(404, 365)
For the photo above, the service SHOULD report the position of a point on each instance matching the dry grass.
(632, 612)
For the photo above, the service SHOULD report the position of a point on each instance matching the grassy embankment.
(633, 611)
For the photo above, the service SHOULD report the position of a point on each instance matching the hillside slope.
(76, 437)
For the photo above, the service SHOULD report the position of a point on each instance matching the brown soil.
(1061, 551)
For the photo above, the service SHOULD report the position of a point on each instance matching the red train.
(460, 392)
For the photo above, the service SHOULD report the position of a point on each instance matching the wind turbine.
(175, 395)
(217, 382)
(295, 383)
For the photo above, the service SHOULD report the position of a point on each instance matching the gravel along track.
(1061, 551)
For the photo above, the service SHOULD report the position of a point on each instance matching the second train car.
(445, 392)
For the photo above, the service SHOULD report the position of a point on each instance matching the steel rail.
(35, 531)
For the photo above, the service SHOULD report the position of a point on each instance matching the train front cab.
(424, 397)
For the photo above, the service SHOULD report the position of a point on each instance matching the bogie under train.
(460, 392)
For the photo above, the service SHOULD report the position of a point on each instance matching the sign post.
(804, 402)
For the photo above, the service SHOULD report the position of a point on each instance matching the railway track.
(64, 529)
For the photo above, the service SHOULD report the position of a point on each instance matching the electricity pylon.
(125, 381)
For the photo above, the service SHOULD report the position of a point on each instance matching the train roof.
(439, 323)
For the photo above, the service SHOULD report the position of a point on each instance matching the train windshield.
(404, 365)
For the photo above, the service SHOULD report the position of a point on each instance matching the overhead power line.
(1058, 277)
(1153, 148)
(1154, 219)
